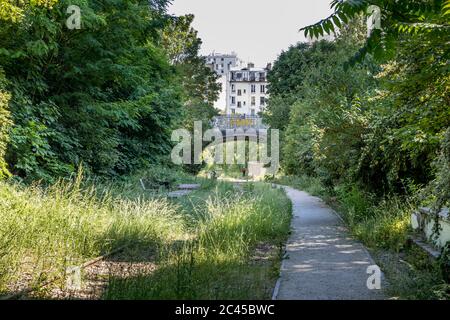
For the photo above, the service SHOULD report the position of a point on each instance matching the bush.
(387, 227)
(379, 222)
(5, 123)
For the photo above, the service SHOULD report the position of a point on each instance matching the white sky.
(257, 30)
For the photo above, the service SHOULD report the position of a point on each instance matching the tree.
(105, 95)
(199, 82)
(398, 19)
(327, 119)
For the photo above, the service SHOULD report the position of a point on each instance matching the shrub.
(5, 123)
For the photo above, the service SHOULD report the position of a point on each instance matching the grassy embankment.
(383, 225)
(206, 245)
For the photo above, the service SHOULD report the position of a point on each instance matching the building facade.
(222, 63)
(247, 90)
(244, 89)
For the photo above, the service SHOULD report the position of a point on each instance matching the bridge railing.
(239, 122)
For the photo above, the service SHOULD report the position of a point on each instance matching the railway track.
(27, 291)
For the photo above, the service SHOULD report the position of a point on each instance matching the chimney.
(250, 65)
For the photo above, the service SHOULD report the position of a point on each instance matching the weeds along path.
(323, 262)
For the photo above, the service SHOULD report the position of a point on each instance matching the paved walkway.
(324, 262)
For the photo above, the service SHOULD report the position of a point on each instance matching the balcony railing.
(239, 122)
(247, 79)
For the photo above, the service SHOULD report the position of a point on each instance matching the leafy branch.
(402, 17)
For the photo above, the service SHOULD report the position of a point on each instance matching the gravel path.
(324, 262)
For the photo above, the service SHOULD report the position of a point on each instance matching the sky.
(257, 30)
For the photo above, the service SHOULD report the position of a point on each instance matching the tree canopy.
(107, 95)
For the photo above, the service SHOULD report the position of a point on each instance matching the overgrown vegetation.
(45, 231)
(220, 261)
(107, 95)
(370, 136)
(205, 243)
(5, 123)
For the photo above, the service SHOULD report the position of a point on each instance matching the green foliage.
(326, 118)
(398, 18)
(368, 132)
(378, 125)
(5, 123)
(107, 95)
(199, 82)
(14, 11)
(439, 187)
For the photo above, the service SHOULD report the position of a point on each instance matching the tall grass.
(44, 231)
(306, 183)
(205, 243)
(218, 263)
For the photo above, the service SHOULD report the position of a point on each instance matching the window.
(233, 88)
(245, 103)
(239, 104)
(245, 91)
(233, 111)
(233, 101)
(253, 101)
(262, 101)
(253, 112)
(263, 88)
(253, 88)
(238, 75)
(239, 92)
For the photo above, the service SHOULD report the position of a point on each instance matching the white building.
(247, 90)
(221, 64)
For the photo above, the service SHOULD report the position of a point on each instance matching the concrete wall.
(422, 221)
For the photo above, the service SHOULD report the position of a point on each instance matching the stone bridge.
(240, 126)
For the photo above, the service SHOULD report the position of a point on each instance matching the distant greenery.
(106, 96)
